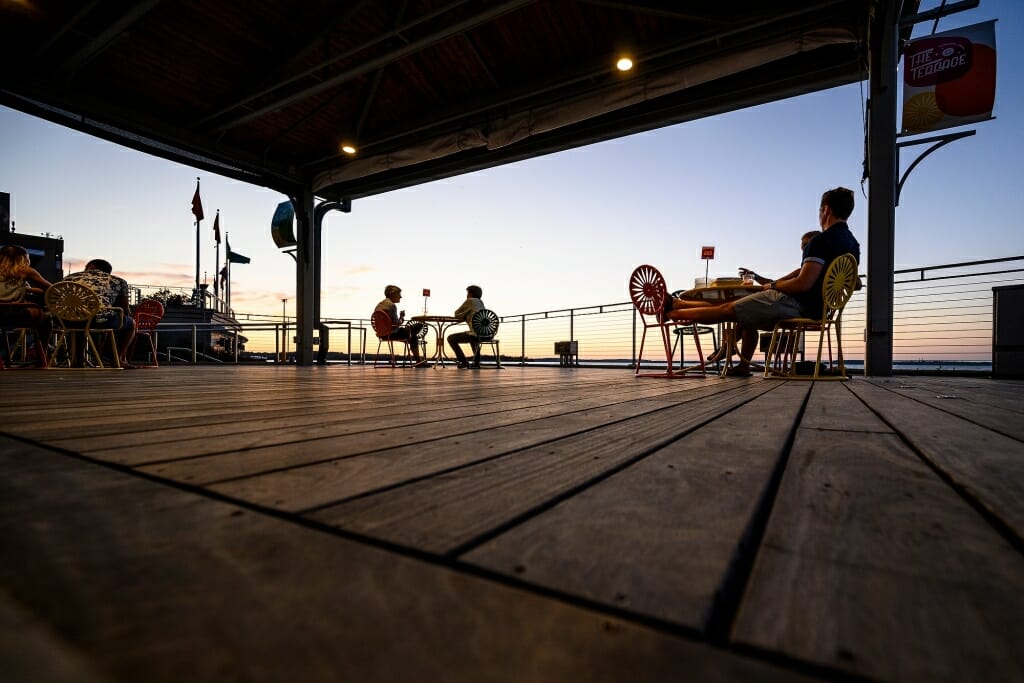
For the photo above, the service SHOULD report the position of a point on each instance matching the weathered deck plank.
(986, 464)
(444, 513)
(660, 538)
(873, 565)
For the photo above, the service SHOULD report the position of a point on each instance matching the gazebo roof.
(268, 91)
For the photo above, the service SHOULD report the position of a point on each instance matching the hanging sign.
(949, 78)
(707, 253)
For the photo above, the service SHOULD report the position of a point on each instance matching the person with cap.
(399, 331)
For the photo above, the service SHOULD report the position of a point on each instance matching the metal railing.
(942, 320)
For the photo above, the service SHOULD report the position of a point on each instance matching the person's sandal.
(736, 372)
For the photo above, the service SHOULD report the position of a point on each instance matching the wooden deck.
(307, 524)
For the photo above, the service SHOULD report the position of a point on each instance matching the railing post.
(522, 341)
(633, 364)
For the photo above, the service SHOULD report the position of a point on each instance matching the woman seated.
(22, 284)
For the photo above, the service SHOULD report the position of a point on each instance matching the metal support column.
(322, 209)
(306, 259)
(882, 171)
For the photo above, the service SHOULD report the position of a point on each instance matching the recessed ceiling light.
(624, 64)
(348, 149)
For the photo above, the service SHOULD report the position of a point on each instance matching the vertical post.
(306, 260)
(522, 341)
(284, 330)
(883, 170)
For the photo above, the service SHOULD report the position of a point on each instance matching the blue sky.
(555, 232)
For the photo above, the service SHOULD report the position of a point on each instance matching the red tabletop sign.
(707, 252)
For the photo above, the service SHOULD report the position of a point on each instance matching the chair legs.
(670, 370)
(130, 354)
(781, 359)
(495, 347)
(92, 349)
(24, 347)
(392, 362)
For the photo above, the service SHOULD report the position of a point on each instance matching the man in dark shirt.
(794, 297)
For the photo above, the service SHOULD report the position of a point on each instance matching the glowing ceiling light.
(624, 64)
(348, 149)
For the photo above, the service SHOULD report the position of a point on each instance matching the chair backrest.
(380, 321)
(148, 313)
(485, 324)
(838, 286)
(72, 301)
(647, 289)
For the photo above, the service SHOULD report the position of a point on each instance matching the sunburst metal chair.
(381, 323)
(837, 288)
(148, 314)
(78, 304)
(648, 291)
(485, 326)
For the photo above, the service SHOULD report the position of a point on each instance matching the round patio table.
(440, 324)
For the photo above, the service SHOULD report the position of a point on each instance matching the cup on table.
(748, 277)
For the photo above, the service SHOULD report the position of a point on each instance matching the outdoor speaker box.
(282, 227)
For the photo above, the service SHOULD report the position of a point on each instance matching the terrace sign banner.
(949, 78)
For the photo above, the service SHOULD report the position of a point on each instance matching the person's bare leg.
(678, 304)
(748, 341)
(705, 314)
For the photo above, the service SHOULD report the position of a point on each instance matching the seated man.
(409, 333)
(113, 292)
(791, 297)
(465, 312)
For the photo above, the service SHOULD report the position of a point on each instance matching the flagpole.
(227, 264)
(198, 220)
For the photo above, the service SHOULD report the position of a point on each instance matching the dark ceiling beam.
(640, 8)
(93, 48)
(45, 45)
(394, 33)
(757, 31)
(274, 80)
(383, 60)
(329, 24)
(371, 94)
(480, 60)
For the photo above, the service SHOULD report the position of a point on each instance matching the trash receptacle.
(1008, 332)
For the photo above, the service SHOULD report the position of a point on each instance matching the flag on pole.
(197, 204)
(234, 257)
(216, 226)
